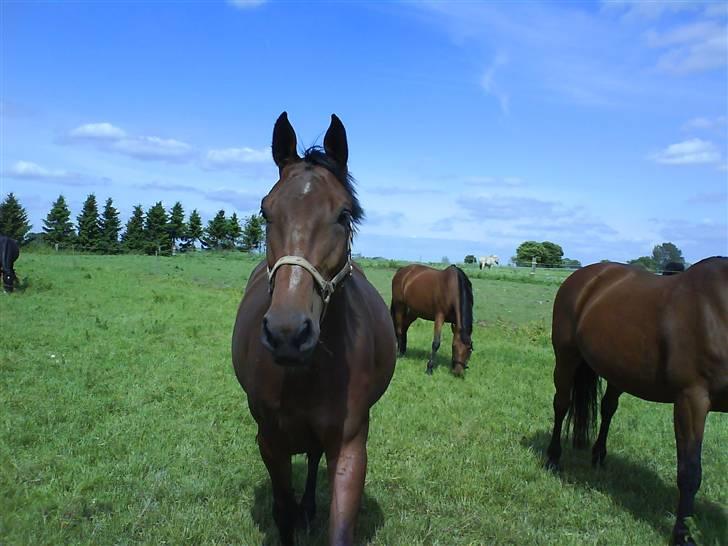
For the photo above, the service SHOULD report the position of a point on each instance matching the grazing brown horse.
(442, 296)
(663, 339)
(313, 346)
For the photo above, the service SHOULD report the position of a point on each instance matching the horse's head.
(310, 216)
(9, 280)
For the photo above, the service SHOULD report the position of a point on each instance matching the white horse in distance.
(488, 261)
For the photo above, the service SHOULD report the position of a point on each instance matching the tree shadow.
(370, 517)
(634, 487)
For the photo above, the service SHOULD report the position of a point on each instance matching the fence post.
(533, 265)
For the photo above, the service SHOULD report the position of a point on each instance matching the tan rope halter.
(325, 288)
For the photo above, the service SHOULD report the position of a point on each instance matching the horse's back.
(651, 336)
(425, 291)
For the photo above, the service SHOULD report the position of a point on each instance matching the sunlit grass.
(121, 422)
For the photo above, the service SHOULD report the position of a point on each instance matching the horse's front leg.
(439, 320)
(285, 510)
(690, 411)
(347, 468)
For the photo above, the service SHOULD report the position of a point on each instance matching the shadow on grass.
(370, 518)
(635, 488)
(442, 358)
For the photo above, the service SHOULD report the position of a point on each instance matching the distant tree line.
(156, 231)
(547, 254)
(662, 255)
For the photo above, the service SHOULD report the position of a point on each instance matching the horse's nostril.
(269, 338)
(304, 333)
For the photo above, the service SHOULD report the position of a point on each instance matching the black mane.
(315, 155)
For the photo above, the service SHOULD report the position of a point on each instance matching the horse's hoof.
(553, 466)
(428, 371)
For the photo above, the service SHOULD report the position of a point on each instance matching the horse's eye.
(344, 217)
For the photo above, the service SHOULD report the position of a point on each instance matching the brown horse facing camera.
(663, 339)
(442, 296)
(313, 346)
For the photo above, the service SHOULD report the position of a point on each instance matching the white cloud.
(33, 171)
(706, 123)
(488, 82)
(689, 152)
(693, 47)
(101, 131)
(150, 147)
(246, 4)
(230, 157)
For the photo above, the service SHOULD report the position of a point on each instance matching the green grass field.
(121, 422)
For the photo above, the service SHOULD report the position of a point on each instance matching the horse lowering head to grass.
(313, 346)
(442, 296)
(9, 252)
(663, 339)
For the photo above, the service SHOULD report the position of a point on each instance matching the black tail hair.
(584, 405)
(465, 289)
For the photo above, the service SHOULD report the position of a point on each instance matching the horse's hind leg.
(308, 500)
(610, 401)
(439, 320)
(284, 503)
(402, 322)
(691, 409)
(566, 364)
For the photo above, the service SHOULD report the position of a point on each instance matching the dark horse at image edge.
(9, 252)
(660, 338)
(313, 345)
(419, 291)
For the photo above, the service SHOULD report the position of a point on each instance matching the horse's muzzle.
(292, 340)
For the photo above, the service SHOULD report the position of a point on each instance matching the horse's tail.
(583, 408)
(465, 307)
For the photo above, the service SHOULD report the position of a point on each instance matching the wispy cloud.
(708, 235)
(243, 201)
(111, 138)
(32, 171)
(491, 87)
(98, 131)
(693, 47)
(694, 151)
(708, 198)
(707, 124)
(236, 157)
(27, 170)
(246, 4)
(154, 148)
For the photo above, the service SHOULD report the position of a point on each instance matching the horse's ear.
(335, 141)
(284, 141)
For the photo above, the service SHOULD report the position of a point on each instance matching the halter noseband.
(326, 288)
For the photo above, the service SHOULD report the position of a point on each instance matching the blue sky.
(472, 126)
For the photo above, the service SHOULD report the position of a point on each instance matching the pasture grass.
(121, 422)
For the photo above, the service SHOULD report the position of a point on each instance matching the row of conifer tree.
(153, 231)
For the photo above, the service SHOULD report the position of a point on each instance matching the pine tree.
(133, 238)
(216, 231)
(88, 226)
(58, 227)
(176, 226)
(156, 236)
(234, 231)
(110, 226)
(194, 232)
(253, 234)
(14, 219)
